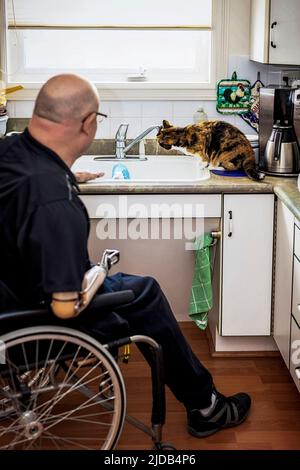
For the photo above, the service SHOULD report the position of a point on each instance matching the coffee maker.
(279, 130)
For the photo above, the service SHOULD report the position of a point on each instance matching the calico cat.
(217, 143)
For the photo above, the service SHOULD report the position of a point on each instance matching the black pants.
(150, 314)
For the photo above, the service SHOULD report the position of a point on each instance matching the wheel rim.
(54, 403)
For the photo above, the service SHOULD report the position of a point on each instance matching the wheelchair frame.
(24, 384)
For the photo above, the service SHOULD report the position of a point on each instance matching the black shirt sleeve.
(53, 245)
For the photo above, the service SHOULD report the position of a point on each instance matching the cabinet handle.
(298, 307)
(271, 34)
(230, 224)
(297, 372)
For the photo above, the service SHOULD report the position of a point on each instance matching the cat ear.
(166, 124)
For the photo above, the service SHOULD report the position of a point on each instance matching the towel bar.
(216, 235)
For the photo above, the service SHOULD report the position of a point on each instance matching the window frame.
(150, 90)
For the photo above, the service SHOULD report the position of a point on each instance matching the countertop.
(284, 188)
(289, 195)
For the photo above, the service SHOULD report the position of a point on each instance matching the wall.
(142, 114)
(239, 27)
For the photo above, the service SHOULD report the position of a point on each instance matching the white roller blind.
(111, 12)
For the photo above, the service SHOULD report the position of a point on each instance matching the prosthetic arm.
(70, 304)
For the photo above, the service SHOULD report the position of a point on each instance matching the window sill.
(133, 91)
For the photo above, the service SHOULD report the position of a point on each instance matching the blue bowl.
(232, 174)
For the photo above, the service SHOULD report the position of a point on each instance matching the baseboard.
(215, 353)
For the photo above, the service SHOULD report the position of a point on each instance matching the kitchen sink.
(150, 170)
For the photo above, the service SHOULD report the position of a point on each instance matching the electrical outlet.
(289, 76)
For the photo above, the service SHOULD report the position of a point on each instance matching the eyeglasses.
(100, 116)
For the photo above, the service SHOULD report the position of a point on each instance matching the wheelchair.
(62, 389)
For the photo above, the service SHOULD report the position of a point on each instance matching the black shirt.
(44, 226)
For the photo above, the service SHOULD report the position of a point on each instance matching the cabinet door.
(283, 279)
(259, 34)
(284, 32)
(247, 265)
(296, 290)
(295, 353)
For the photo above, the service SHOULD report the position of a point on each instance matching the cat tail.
(249, 166)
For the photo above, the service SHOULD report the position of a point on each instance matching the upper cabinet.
(275, 32)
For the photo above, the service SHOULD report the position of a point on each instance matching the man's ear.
(88, 124)
(166, 124)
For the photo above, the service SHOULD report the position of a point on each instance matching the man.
(43, 244)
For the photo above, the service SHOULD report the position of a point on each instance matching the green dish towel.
(201, 295)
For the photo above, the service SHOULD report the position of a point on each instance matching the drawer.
(297, 242)
(295, 354)
(296, 291)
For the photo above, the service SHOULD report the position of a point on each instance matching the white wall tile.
(10, 106)
(231, 118)
(23, 109)
(182, 121)
(186, 108)
(148, 122)
(103, 129)
(157, 109)
(210, 108)
(135, 126)
(274, 77)
(105, 107)
(244, 127)
(122, 109)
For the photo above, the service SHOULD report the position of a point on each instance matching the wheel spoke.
(76, 409)
(68, 440)
(66, 392)
(60, 395)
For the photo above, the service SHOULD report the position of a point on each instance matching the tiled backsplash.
(141, 114)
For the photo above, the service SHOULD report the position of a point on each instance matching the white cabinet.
(287, 290)
(295, 327)
(295, 353)
(259, 30)
(284, 32)
(275, 32)
(283, 279)
(152, 234)
(247, 265)
(296, 289)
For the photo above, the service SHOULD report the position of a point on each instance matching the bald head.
(65, 98)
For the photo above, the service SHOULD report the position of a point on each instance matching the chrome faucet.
(120, 139)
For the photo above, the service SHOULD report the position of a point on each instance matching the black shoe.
(227, 412)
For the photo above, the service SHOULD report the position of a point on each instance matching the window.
(116, 43)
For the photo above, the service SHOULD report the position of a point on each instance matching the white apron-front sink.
(155, 170)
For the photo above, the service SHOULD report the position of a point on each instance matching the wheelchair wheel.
(49, 391)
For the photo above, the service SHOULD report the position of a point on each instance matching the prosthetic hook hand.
(70, 304)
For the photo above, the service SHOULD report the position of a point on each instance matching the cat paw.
(255, 175)
(261, 175)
